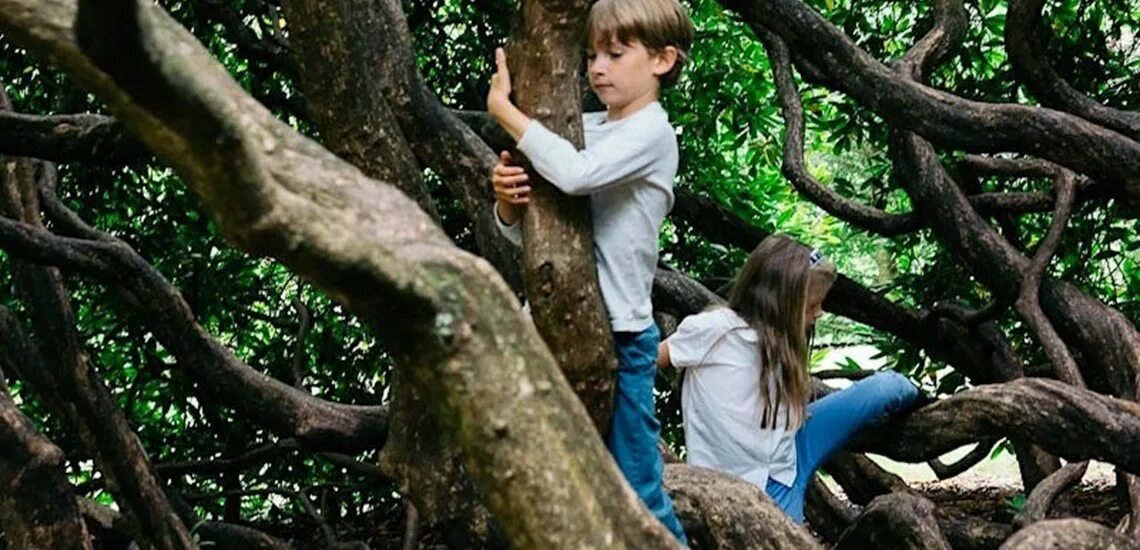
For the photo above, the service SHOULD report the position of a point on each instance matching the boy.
(634, 48)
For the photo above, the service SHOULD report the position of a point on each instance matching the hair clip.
(815, 257)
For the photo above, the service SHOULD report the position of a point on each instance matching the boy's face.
(625, 76)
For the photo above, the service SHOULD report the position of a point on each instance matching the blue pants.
(633, 435)
(831, 421)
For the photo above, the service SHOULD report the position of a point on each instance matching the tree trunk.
(559, 269)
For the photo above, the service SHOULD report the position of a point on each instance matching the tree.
(482, 433)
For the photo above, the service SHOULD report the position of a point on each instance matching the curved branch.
(1070, 422)
(848, 210)
(862, 480)
(979, 453)
(943, 117)
(826, 513)
(1039, 501)
(1022, 23)
(1028, 303)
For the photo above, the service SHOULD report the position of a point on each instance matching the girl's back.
(721, 401)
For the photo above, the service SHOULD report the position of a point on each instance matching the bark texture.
(559, 269)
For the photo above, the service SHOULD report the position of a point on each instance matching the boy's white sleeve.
(695, 336)
(620, 157)
(513, 232)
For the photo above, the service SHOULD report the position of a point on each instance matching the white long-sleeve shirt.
(627, 169)
(721, 401)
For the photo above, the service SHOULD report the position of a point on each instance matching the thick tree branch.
(1070, 422)
(560, 269)
(723, 511)
(898, 520)
(1025, 37)
(64, 138)
(339, 75)
(440, 140)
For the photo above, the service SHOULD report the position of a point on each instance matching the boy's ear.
(664, 60)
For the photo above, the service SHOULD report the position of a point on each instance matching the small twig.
(253, 457)
(299, 357)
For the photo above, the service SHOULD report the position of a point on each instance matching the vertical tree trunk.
(339, 75)
(559, 269)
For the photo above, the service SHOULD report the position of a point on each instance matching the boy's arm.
(623, 156)
(627, 154)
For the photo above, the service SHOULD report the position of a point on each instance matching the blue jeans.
(633, 435)
(831, 421)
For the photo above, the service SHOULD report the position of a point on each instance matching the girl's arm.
(663, 356)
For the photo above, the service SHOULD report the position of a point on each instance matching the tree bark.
(559, 268)
(1068, 534)
(723, 511)
(340, 78)
(898, 521)
(37, 507)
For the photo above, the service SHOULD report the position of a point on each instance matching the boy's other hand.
(500, 93)
(511, 188)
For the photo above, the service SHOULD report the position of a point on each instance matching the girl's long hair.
(770, 293)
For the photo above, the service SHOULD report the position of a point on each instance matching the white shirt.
(627, 169)
(721, 403)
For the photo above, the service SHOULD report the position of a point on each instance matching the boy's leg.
(831, 421)
(633, 435)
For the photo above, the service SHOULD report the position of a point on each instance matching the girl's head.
(780, 292)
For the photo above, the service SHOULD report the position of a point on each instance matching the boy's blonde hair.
(657, 24)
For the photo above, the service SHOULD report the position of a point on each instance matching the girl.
(746, 386)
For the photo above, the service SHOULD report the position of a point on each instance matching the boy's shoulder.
(651, 120)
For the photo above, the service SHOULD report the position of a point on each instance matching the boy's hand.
(511, 189)
(499, 95)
